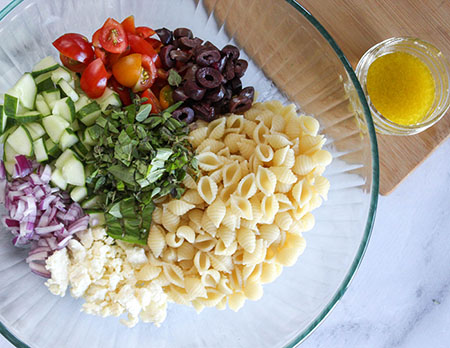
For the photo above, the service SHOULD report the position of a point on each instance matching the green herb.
(139, 157)
(174, 78)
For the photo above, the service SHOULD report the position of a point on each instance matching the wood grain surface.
(357, 25)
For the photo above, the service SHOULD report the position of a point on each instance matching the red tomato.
(144, 32)
(128, 25)
(147, 75)
(162, 74)
(156, 44)
(114, 57)
(100, 53)
(113, 37)
(124, 92)
(151, 99)
(96, 38)
(76, 47)
(94, 78)
(71, 64)
(139, 45)
(127, 70)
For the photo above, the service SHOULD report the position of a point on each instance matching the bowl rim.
(374, 185)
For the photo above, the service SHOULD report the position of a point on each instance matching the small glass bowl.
(434, 60)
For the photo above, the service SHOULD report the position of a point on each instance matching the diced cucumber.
(20, 140)
(68, 90)
(26, 90)
(68, 138)
(44, 82)
(91, 203)
(78, 193)
(35, 129)
(11, 105)
(41, 105)
(65, 108)
(65, 156)
(58, 179)
(75, 125)
(55, 126)
(9, 154)
(45, 65)
(51, 97)
(88, 140)
(3, 119)
(73, 172)
(96, 218)
(109, 97)
(89, 113)
(27, 117)
(80, 103)
(9, 166)
(40, 152)
(52, 148)
(80, 149)
(61, 73)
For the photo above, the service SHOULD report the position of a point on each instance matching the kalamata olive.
(191, 72)
(187, 43)
(216, 94)
(204, 111)
(182, 32)
(207, 56)
(231, 52)
(193, 90)
(220, 65)
(184, 68)
(179, 95)
(235, 85)
(180, 56)
(185, 114)
(240, 67)
(239, 105)
(248, 92)
(228, 72)
(209, 77)
(166, 60)
(165, 35)
(210, 45)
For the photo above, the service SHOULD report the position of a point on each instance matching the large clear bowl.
(292, 58)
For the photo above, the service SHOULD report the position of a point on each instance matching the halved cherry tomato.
(114, 57)
(162, 74)
(139, 45)
(151, 99)
(156, 44)
(165, 97)
(127, 70)
(96, 38)
(113, 37)
(100, 53)
(128, 25)
(94, 78)
(76, 47)
(147, 75)
(124, 92)
(71, 64)
(144, 32)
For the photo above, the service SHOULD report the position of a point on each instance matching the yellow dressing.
(401, 87)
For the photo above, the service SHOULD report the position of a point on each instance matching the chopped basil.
(174, 78)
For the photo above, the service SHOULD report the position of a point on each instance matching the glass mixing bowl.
(291, 58)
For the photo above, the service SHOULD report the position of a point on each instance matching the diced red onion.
(23, 167)
(39, 269)
(2, 171)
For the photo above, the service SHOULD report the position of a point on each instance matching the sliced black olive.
(165, 35)
(209, 77)
(207, 56)
(191, 72)
(179, 95)
(185, 114)
(216, 94)
(187, 43)
(205, 111)
(248, 92)
(182, 32)
(220, 65)
(193, 90)
(228, 72)
(180, 56)
(231, 52)
(235, 85)
(166, 60)
(240, 67)
(239, 105)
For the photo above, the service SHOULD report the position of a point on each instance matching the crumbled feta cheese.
(58, 265)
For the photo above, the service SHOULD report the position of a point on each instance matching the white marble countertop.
(400, 296)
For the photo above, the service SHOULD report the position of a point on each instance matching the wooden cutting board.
(357, 25)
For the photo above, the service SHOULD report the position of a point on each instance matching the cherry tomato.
(128, 25)
(144, 32)
(94, 78)
(156, 44)
(127, 70)
(147, 75)
(151, 99)
(71, 64)
(124, 92)
(76, 47)
(139, 45)
(113, 37)
(96, 38)
(100, 53)
(165, 97)
(162, 74)
(114, 57)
